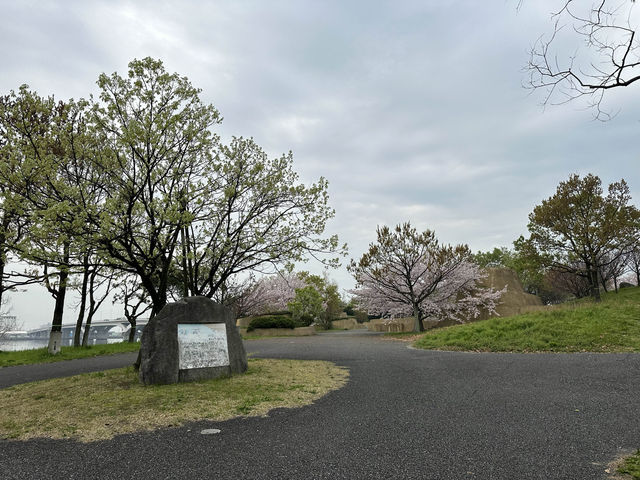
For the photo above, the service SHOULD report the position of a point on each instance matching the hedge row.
(271, 321)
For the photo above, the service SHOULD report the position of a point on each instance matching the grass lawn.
(97, 406)
(41, 355)
(612, 325)
(631, 466)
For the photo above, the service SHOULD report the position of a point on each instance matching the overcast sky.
(413, 110)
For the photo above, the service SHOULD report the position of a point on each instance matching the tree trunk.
(92, 311)
(2, 263)
(190, 273)
(603, 282)
(55, 337)
(87, 330)
(185, 273)
(158, 296)
(136, 365)
(93, 306)
(595, 289)
(417, 325)
(3, 254)
(83, 301)
(132, 332)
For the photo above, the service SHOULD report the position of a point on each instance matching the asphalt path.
(32, 373)
(404, 413)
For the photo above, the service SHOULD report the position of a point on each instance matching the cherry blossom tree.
(273, 293)
(409, 273)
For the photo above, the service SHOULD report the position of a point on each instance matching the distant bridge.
(102, 329)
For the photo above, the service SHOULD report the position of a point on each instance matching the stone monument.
(193, 339)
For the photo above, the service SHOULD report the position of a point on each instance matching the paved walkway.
(31, 373)
(405, 413)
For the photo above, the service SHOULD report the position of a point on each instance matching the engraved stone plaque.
(202, 345)
(190, 340)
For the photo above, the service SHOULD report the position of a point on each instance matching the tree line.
(135, 191)
(580, 239)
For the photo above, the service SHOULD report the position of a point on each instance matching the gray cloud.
(412, 110)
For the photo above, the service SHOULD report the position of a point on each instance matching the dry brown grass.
(100, 405)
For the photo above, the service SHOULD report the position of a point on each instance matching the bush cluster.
(361, 317)
(304, 320)
(271, 321)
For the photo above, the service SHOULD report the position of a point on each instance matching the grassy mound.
(582, 326)
(100, 405)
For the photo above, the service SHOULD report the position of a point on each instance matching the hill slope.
(582, 326)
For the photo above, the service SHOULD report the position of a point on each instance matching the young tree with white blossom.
(272, 293)
(406, 272)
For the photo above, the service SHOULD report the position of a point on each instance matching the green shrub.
(306, 307)
(304, 320)
(271, 321)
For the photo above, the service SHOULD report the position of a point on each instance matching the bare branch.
(610, 60)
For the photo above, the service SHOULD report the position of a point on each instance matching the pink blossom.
(407, 273)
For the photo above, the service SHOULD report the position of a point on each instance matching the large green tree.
(14, 223)
(156, 145)
(581, 230)
(256, 216)
(45, 171)
(183, 212)
(136, 182)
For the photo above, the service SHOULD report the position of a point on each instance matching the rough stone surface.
(159, 356)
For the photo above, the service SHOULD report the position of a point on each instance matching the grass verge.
(631, 466)
(612, 325)
(41, 355)
(98, 406)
